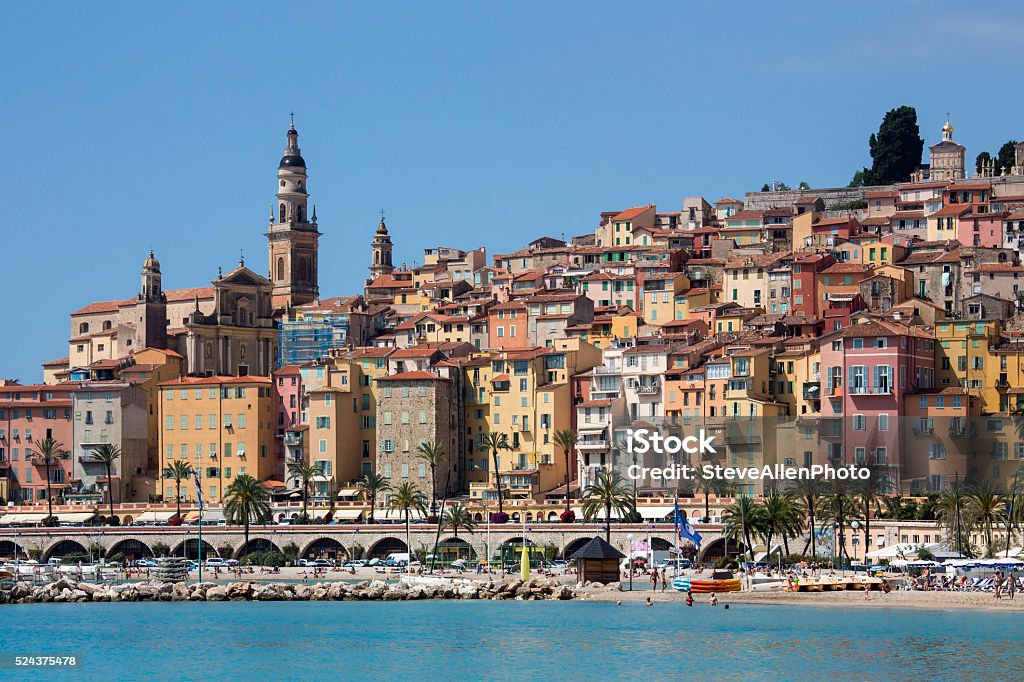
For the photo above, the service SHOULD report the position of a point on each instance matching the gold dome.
(151, 263)
(382, 229)
(948, 128)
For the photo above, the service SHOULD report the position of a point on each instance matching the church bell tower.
(292, 235)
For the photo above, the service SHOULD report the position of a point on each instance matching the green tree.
(494, 442)
(744, 519)
(979, 161)
(566, 439)
(456, 517)
(839, 508)
(108, 453)
(607, 493)
(179, 470)
(803, 185)
(433, 454)
(408, 497)
(808, 492)
(372, 485)
(895, 149)
(246, 500)
(782, 518)
(952, 512)
(305, 472)
(48, 452)
(987, 506)
(867, 492)
(1006, 158)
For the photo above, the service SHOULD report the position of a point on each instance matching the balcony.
(647, 389)
(592, 445)
(924, 431)
(830, 427)
(1002, 384)
(742, 439)
(292, 440)
(812, 391)
(871, 390)
(957, 428)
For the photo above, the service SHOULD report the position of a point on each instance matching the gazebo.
(598, 562)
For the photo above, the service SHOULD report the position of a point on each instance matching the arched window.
(301, 214)
(106, 324)
(376, 257)
(83, 328)
(283, 213)
(280, 269)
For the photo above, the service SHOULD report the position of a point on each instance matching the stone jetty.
(70, 591)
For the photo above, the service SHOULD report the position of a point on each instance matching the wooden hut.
(598, 562)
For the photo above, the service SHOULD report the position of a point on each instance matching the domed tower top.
(947, 131)
(151, 264)
(292, 154)
(382, 229)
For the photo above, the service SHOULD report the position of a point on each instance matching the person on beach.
(689, 598)
(714, 599)
(998, 585)
(1011, 586)
(654, 580)
(664, 580)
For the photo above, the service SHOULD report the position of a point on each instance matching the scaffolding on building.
(301, 341)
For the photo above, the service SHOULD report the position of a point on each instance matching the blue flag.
(684, 529)
(199, 489)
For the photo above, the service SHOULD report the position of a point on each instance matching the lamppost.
(629, 556)
(855, 525)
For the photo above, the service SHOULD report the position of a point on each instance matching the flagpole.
(675, 518)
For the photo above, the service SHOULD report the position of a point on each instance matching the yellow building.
(658, 296)
(530, 401)
(222, 426)
(333, 435)
(687, 301)
(944, 224)
(965, 358)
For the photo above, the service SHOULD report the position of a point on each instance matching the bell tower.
(292, 234)
(151, 308)
(381, 252)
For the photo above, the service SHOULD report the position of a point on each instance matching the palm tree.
(433, 454)
(495, 441)
(371, 485)
(709, 486)
(808, 491)
(957, 519)
(246, 500)
(408, 497)
(458, 517)
(305, 473)
(566, 439)
(988, 507)
(781, 517)
(108, 453)
(868, 491)
(607, 493)
(744, 519)
(839, 508)
(49, 451)
(179, 470)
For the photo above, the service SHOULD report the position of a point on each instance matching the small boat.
(759, 582)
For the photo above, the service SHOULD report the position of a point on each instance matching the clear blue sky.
(136, 125)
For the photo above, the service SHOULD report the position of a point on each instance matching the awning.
(655, 513)
(397, 515)
(209, 516)
(154, 517)
(349, 492)
(600, 514)
(22, 518)
(74, 517)
(348, 514)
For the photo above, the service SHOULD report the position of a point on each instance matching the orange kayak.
(705, 586)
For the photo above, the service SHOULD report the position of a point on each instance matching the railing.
(647, 389)
(742, 439)
(956, 429)
(588, 444)
(1002, 384)
(871, 390)
(924, 431)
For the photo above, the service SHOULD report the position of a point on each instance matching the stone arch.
(660, 544)
(64, 548)
(324, 548)
(553, 517)
(132, 549)
(452, 548)
(384, 546)
(574, 545)
(280, 269)
(9, 548)
(478, 517)
(190, 549)
(717, 548)
(256, 545)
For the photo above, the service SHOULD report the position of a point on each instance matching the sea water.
(507, 640)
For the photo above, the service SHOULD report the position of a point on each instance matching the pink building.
(29, 415)
(870, 367)
(981, 229)
(287, 383)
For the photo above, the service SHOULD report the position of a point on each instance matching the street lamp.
(629, 556)
(855, 525)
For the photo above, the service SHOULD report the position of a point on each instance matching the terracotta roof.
(199, 381)
(173, 296)
(728, 200)
(412, 376)
(806, 199)
(997, 267)
(414, 352)
(630, 213)
(287, 370)
(951, 210)
(604, 402)
(55, 363)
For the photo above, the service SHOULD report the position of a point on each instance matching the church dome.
(948, 128)
(292, 161)
(382, 229)
(151, 263)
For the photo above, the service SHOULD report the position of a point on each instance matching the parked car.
(322, 563)
(216, 562)
(355, 563)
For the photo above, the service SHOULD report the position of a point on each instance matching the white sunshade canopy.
(909, 551)
(397, 515)
(655, 513)
(153, 517)
(348, 514)
(22, 518)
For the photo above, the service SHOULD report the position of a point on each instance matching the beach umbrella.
(524, 571)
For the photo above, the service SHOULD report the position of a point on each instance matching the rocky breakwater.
(70, 591)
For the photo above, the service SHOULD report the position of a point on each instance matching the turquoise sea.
(508, 641)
